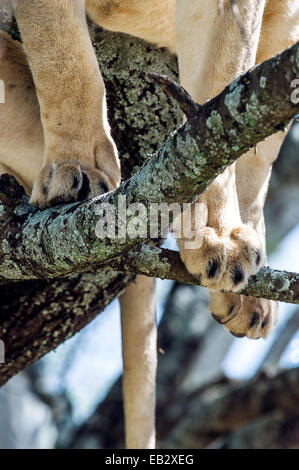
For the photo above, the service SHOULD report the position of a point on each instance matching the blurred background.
(214, 390)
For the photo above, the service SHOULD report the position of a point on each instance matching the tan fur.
(71, 98)
(139, 336)
(138, 18)
(55, 137)
(233, 232)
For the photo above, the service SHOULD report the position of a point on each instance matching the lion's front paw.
(223, 261)
(244, 316)
(59, 183)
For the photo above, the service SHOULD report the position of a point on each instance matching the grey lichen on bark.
(36, 245)
(227, 126)
(140, 114)
(50, 311)
(166, 264)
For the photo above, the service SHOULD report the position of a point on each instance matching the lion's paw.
(244, 316)
(224, 261)
(59, 183)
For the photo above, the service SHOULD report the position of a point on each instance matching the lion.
(55, 139)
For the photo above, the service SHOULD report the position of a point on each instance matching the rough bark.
(166, 264)
(227, 126)
(50, 311)
(148, 260)
(34, 246)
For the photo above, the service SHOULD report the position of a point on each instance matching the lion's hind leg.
(21, 136)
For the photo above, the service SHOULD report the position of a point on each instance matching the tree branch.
(37, 244)
(275, 430)
(172, 89)
(35, 247)
(166, 264)
(227, 408)
(36, 316)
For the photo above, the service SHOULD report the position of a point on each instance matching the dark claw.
(84, 191)
(221, 320)
(212, 269)
(238, 275)
(254, 320)
(258, 257)
(231, 309)
(103, 187)
(265, 322)
(238, 335)
(75, 182)
(59, 200)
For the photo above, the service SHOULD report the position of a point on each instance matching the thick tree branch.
(37, 245)
(51, 310)
(37, 316)
(218, 412)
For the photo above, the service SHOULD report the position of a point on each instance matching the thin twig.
(177, 92)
